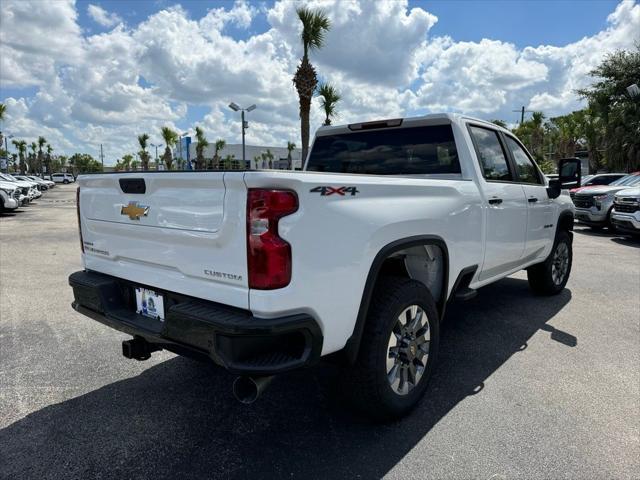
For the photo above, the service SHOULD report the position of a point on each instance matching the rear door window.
(493, 160)
(527, 170)
(399, 151)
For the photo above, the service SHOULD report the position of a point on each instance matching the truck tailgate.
(183, 231)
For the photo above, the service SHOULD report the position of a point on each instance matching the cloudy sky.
(83, 73)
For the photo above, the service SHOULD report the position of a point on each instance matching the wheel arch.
(353, 343)
(565, 221)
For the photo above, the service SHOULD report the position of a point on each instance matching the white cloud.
(36, 37)
(109, 87)
(102, 17)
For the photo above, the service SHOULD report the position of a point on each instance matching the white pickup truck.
(356, 256)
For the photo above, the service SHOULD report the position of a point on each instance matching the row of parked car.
(609, 200)
(17, 190)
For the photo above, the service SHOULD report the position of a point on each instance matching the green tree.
(170, 138)
(47, 157)
(256, 159)
(33, 167)
(21, 146)
(315, 24)
(84, 163)
(500, 123)
(290, 148)
(228, 161)
(219, 145)
(143, 141)
(3, 109)
(619, 113)
(329, 98)
(201, 144)
(41, 143)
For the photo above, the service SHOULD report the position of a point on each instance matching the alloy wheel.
(408, 349)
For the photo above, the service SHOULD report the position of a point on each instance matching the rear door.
(506, 207)
(178, 231)
(540, 223)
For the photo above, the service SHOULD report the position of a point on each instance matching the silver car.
(626, 211)
(594, 205)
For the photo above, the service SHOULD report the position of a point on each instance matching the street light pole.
(245, 125)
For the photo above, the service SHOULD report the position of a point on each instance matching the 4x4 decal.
(326, 190)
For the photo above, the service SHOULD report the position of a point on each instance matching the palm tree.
(21, 146)
(3, 109)
(315, 24)
(41, 143)
(201, 144)
(143, 141)
(170, 138)
(330, 97)
(256, 159)
(126, 161)
(220, 144)
(32, 157)
(135, 164)
(290, 147)
(48, 157)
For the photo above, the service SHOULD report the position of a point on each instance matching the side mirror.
(569, 176)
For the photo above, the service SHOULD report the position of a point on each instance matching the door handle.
(532, 200)
(495, 201)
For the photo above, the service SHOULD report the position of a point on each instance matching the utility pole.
(101, 157)
(522, 112)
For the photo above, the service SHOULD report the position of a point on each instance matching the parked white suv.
(266, 271)
(62, 178)
(9, 196)
(626, 211)
(28, 188)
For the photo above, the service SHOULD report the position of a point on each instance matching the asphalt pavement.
(525, 387)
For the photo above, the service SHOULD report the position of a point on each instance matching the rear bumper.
(231, 337)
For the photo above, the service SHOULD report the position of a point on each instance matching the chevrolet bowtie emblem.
(134, 210)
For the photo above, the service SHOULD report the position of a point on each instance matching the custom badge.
(134, 210)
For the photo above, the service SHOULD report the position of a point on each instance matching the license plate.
(582, 216)
(150, 304)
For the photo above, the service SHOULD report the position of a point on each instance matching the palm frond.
(315, 24)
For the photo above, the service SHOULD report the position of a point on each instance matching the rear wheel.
(551, 276)
(397, 351)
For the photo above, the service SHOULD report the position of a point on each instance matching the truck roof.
(429, 119)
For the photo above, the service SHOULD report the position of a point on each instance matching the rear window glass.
(404, 151)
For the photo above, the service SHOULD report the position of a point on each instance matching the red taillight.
(268, 255)
(78, 211)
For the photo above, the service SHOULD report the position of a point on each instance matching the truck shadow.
(178, 419)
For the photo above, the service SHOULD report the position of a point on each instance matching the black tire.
(543, 279)
(365, 383)
(65, 181)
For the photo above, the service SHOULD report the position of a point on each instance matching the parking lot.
(526, 386)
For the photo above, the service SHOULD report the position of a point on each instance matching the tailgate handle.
(133, 185)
